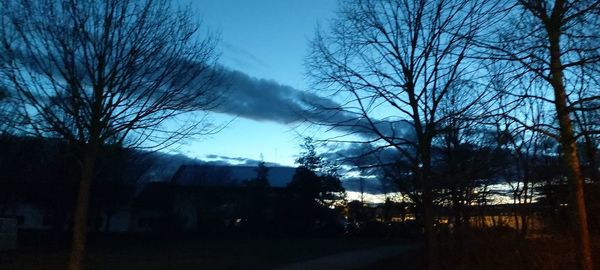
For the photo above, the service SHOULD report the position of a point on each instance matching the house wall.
(8, 234)
(119, 222)
(184, 208)
(29, 216)
(32, 217)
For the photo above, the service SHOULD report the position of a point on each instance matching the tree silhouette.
(553, 45)
(390, 64)
(262, 176)
(130, 73)
(315, 189)
(316, 178)
(309, 158)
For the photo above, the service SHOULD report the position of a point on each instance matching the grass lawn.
(497, 252)
(212, 253)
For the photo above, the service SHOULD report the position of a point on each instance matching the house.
(223, 175)
(195, 193)
(206, 197)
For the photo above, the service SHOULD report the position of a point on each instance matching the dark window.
(20, 220)
(47, 220)
(143, 222)
(94, 222)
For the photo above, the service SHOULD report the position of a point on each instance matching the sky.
(265, 42)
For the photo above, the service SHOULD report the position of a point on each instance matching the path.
(349, 260)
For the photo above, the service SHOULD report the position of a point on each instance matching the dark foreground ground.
(495, 252)
(353, 260)
(189, 252)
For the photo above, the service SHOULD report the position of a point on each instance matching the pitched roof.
(223, 175)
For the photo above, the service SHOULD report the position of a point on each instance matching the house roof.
(223, 175)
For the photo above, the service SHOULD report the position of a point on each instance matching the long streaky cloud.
(267, 100)
(259, 99)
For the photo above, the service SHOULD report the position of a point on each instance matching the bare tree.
(390, 64)
(467, 160)
(525, 147)
(586, 116)
(551, 41)
(131, 73)
(5, 117)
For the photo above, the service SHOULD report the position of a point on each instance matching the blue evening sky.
(266, 39)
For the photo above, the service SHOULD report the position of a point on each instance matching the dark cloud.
(372, 185)
(213, 156)
(226, 160)
(361, 166)
(262, 100)
(362, 155)
(267, 100)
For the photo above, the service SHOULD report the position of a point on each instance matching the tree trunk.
(524, 224)
(428, 213)
(107, 224)
(432, 248)
(80, 226)
(590, 151)
(458, 217)
(525, 210)
(569, 148)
